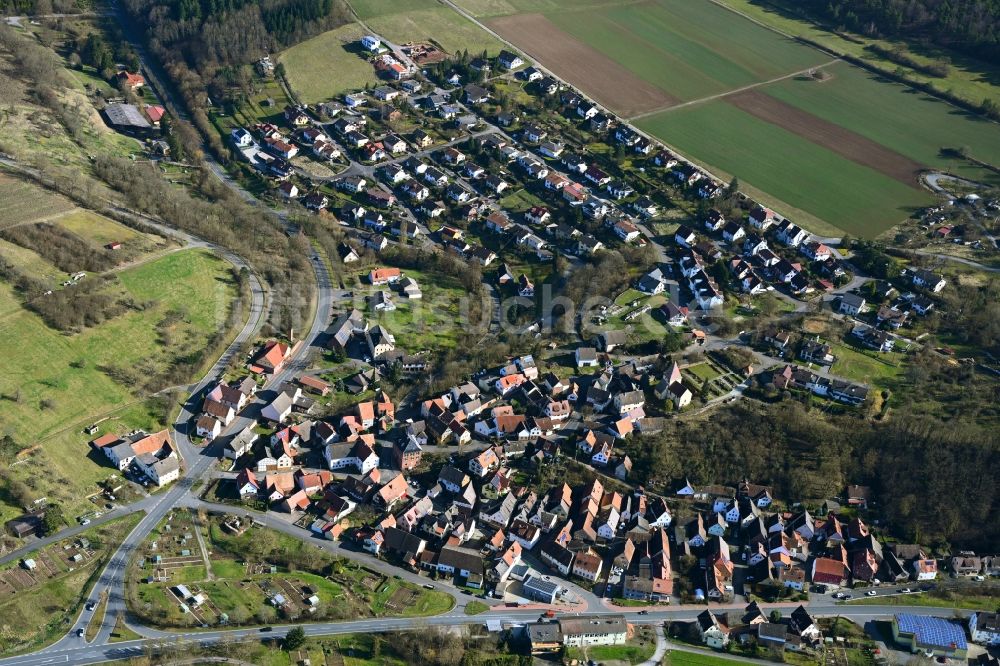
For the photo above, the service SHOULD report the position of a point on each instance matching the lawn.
(475, 608)
(944, 599)
(56, 384)
(328, 65)
(679, 658)
(519, 201)
(30, 263)
(120, 632)
(100, 230)
(97, 619)
(703, 371)
(433, 322)
(859, 366)
(688, 48)
(348, 591)
(629, 654)
(402, 21)
(823, 191)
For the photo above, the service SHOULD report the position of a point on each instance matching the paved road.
(80, 653)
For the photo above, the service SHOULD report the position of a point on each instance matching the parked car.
(871, 593)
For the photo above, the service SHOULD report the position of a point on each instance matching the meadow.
(23, 202)
(909, 122)
(968, 77)
(432, 322)
(328, 65)
(425, 20)
(56, 384)
(333, 63)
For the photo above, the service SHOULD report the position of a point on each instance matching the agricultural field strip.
(829, 135)
(610, 83)
(734, 91)
(885, 212)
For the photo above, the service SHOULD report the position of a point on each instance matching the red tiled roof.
(151, 443)
(105, 440)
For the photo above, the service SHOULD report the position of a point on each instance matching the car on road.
(79, 632)
(90, 605)
(85, 521)
(871, 593)
(428, 586)
(838, 595)
(644, 612)
(906, 590)
(263, 629)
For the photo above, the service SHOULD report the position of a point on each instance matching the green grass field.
(328, 65)
(55, 384)
(431, 322)
(97, 228)
(856, 365)
(970, 78)
(441, 25)
(490, 8)
(678, 658)
(909, 122)
(626, 654)
(798, 175)
(687, 49)
(946, 599)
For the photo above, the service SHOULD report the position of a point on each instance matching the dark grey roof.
(126, 115)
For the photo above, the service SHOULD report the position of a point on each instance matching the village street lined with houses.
(523, 307)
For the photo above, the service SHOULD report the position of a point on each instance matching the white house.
(984, 628)
(359, 455)
(713, 633)
(279, 408)
(371, 43)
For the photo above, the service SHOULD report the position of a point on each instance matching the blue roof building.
(933, 636)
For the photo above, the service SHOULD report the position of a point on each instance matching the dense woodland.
(969, 26)
(932, 479)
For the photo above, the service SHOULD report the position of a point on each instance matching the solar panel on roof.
(932, 631)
